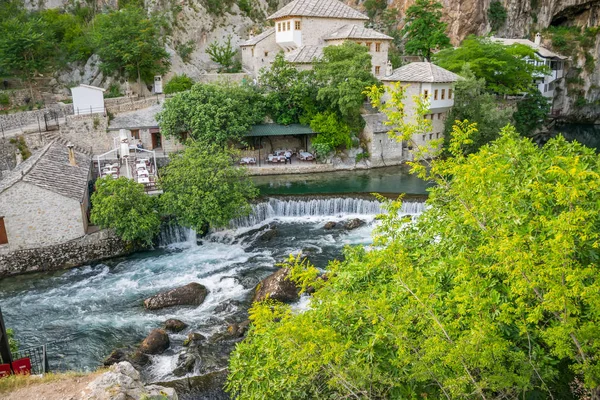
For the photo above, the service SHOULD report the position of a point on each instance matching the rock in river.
(277, 287)
(354, 223)
(175, 325)
(330, 225)
(192, 294)
(156, 342)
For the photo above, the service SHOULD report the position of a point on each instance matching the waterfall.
(338, 206)
(173, 233)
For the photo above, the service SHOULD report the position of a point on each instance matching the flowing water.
(87, 312)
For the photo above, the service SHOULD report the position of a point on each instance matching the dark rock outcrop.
(269, 235)
(194, 338)
(330, 225)
(155, 343)
(116, 357)
(192, 294)
(175, 325)
(354, 223)
(238, 330)
(277, 287)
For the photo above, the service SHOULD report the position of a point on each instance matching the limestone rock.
(192, 294)
(115, 357)
(175, 325)
(121, 382)
(277, 287)
(354, 223)
(238, 330)
(193, 337)
(156, 342)
(330, 225)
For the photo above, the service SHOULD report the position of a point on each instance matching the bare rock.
(354, 223)
(192, 294)
(277, 287)
(193, 337)
(117, 356)
(175, 325)
(330, 225)
(156, 342)
(238, 330)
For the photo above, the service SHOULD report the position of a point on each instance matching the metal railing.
(37, 356)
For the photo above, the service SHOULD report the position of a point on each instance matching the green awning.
(279, 130)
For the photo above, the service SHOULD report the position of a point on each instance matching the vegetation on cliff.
(424, 30)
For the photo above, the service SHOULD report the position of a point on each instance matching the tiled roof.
(542, 51)
(304, 54)
(258, 38)
(277, 130)
(318, 8)
(49, 169)
(351, 31)
(421, 72)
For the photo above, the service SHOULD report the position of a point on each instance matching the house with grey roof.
(304, 27)
(45, 200)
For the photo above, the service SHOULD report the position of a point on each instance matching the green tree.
(289, 94)
(424, 29)
(223, 54)
(531, 112)
(332, 133)
(123, 205)
(129, 42)
(178, 83)
(203, 186)
(343, 73)
(496, 15)
(472, 102)
(212, 113)
(491, 293)
(504, 68)
(12, 342)
(25, 48)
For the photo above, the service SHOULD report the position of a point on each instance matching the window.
(449, 94)
(3, 236)
(437, 135)
(135, 133)
(377, 69)
(430, 136)
(378, 47)
(279, 27)
(435, 92)
(443, 94)
(266, 54)
(297, 25)
(368, 44)
(439, 115)
(423, 137)
(253, 52)
(288, 25)
(426, 93)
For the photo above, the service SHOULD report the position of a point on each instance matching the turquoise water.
(588, 135)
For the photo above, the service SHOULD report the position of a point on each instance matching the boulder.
(238, 330)
(330, 225)
(278, 287)
(193, 337)
(123, 381)
(156, 342)
(116, 357)
(175, 325)
(354, 223)
(228, 306)
(267, 236)
(192, 294)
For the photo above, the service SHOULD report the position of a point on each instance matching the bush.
(179, 83)
(4, 100)
(332, 133)
(496, 15)
(185, 50)
(114, 90)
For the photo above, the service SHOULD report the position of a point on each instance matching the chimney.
(71, 154)
(389, 69)
(538, 39)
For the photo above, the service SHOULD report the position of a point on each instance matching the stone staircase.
(55, 136)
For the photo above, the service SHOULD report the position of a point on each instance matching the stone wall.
(89, 132)
(133, 105)
(96, 246)
(212, 78)
(25, 118)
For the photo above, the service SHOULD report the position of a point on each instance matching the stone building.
(421, 79)
(304, 27)
(45, 200)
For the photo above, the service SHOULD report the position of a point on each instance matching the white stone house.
(545, 83)
(303, 28)
(421, 79)
(88, 100)
(45, 200)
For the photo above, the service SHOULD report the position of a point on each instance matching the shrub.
(179, 83)
(185, 50)
(4, 100)
(496, 15)
(114, 90)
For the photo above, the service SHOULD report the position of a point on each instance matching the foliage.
(343, 73)
(491, 293)
(531, 112)
(496, 15)
(375, 7)
(424, 30)
(123, 205)
(185, 50)
(504, 68)
(114, 90)
(129, 42)
(4, 99)
(203, 186)
(473, 103)
(178, 83)
(212, 113)
(223, 54)
(332, 133)
(22, 147)
(289, 94)
(12, 342)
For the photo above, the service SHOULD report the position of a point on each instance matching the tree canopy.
(531, 112)
(202, 186)
(223, 54)
(504, 68)
(492, 292)
(123, 205)
(178, 83)
(212, 113)
(424, 30)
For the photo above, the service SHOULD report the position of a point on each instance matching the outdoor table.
(143, 179)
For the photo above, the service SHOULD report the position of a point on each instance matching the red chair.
(22, 366)
(4, 370)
